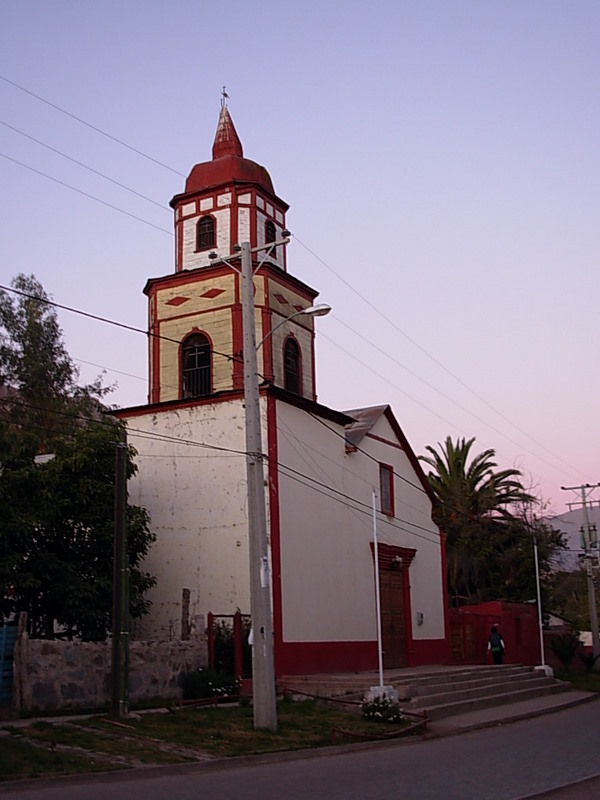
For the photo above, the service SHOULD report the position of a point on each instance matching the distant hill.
(570, 523)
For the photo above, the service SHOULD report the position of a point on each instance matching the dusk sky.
(441, 163)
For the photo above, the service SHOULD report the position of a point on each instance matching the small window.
(195, 366)
(205, 233)
(386, 489)
(291, 367)
(271, 236)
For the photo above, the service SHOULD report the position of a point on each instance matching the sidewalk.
(502, 715)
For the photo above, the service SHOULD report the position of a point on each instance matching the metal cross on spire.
(224, 98)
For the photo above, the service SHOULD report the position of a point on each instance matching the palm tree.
(473, 505)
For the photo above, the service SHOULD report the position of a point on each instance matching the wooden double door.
(393, 619)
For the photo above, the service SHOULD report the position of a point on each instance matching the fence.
(53, 675)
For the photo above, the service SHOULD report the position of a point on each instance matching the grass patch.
(230, 731)
(103, 739)
(186, 734)
(21, 759)
(586, 681)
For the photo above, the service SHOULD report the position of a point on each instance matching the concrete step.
(439, 698)
(454, 707)
(413, 677)
(463, 680)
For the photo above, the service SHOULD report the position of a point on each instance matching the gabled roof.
(366, 418)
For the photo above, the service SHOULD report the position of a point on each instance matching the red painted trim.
(179, 364)
(313, 365)
(300, 362)
(410, 644)
(200, 274)
(174, 405)
(179, 245)
(302, 658)
(414, 461)
(388, 471)
(154, 347)
(253, 224)
(274, 515)
(387, 557)
(195, 313)
(384, 441)
(430, 651)
(237, 336)
(267, 345)
(234, 219)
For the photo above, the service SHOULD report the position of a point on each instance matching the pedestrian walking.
(496, 645)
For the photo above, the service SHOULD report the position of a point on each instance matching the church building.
(323, 467)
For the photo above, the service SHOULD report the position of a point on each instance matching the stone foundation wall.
(52, 675)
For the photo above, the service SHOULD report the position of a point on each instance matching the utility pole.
(263, 667)
(120, 630)
(263, 661)
(588, 556)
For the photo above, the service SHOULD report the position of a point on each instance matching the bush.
(208, 683)
(382, 709)
(224, 646)
(588, 660)
(564, 648)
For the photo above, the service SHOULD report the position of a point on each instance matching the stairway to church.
(440, 691)
(459, 692)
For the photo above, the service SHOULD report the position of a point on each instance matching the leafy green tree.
(569, 597)
(57, 525)
(38, 379)
(489, 544)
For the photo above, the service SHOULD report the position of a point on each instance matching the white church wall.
(193, 485)
(412, 527)
(327, 572)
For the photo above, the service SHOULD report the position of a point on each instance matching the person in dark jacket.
(496, 645)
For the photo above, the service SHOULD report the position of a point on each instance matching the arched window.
(291, 367)
(195, 366)
(271, 236)
(205, 233)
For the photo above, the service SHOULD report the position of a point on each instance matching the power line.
(107, 321)
(92, 127)
(323, 262)
(86, 194)
(290, 472)
(431, 357)
(85, 166)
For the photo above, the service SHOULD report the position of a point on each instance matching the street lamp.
(263, 667)
(320, 310)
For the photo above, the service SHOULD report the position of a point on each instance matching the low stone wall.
(52, 675)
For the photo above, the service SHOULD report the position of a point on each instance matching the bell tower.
(195, 314)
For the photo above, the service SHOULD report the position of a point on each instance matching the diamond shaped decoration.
(177, 301)
(212, 293)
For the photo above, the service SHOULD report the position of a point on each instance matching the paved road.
(502, 763)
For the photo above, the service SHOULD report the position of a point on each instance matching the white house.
(322, 465)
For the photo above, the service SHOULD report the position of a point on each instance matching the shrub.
(588, 660)
(564, 648)
(224, 646)
(208, 683)
(382, 709)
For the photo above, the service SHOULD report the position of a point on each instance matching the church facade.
(331, 477)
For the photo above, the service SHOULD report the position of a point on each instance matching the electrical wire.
(92, 127)
(284, 469)
(322, 261)
(85, 166)
(86, 194)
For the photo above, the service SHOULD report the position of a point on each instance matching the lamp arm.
(279, 324)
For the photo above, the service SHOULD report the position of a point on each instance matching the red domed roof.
(228, 163)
